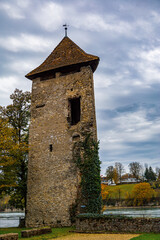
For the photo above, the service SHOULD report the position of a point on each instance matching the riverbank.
(9, 210)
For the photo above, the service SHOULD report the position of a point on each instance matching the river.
(10, 219)
(135, 212)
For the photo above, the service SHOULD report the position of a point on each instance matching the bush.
(142, 194)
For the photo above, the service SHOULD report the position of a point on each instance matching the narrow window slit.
(50, 147)
(40, 105)
(75, 110)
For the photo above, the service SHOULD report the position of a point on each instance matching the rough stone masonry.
(62, 108)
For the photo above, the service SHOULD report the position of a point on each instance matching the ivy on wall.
(89, 166)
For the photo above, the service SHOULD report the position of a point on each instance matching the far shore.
(8, 210)
(112, 207)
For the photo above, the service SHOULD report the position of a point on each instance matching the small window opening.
(76, 137)
(50, 147)
(75, 110)
(40, 105)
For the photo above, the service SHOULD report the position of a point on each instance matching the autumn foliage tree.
(14, 147)
(8, 148)
(105, 192)
(112, 174)
(142, 193)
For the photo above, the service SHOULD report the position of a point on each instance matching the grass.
(56, 232)
(147, 236)
(115, 191)
(59, 232)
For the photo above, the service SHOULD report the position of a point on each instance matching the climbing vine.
(89, 166)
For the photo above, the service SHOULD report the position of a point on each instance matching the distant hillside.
(122, 191)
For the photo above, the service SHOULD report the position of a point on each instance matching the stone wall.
(53, 177)
(118, 224)
(9, 236)
(35, 232)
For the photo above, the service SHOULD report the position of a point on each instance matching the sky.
(125, 34)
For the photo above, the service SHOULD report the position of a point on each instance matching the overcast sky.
(125, 34)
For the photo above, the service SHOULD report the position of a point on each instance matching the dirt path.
(78, 236)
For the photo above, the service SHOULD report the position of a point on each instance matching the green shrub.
(94, 215)
(89, 165)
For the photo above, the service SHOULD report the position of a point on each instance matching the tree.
(149, 174)
(146, 173)
(152, 174)
(135, 169)
(142, 193)
(17, 115)
(110, 173)
(104, 192)
(115, 176)
(120, 170)
(8, 148)
(158, 173)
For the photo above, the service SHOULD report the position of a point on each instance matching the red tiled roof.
(65, 54)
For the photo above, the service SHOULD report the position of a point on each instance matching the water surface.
(135, 212)
(10, 219)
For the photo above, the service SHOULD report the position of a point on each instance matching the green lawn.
(59, 232)
(56, 232)
(147, 236)
(121, 190)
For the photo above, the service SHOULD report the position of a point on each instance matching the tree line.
(117, 173)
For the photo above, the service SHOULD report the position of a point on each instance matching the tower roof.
(66, 54)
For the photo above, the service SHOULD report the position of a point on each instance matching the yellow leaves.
(7, 185)
(7, 136)
(105, 191)
(115, 175)
(142, 193)
(7, 161)
(9, 150)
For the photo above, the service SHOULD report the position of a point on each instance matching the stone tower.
(62, 108)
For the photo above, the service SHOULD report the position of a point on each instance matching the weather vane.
(65, 27)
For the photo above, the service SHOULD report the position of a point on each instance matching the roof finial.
(65, 27)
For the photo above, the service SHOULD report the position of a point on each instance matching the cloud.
(15, 8)
(130, 127)
(22, 66)
(146, 63)
(52, 15)
(129, 134)
(7, 83)
(49, 16)
(25, 42)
